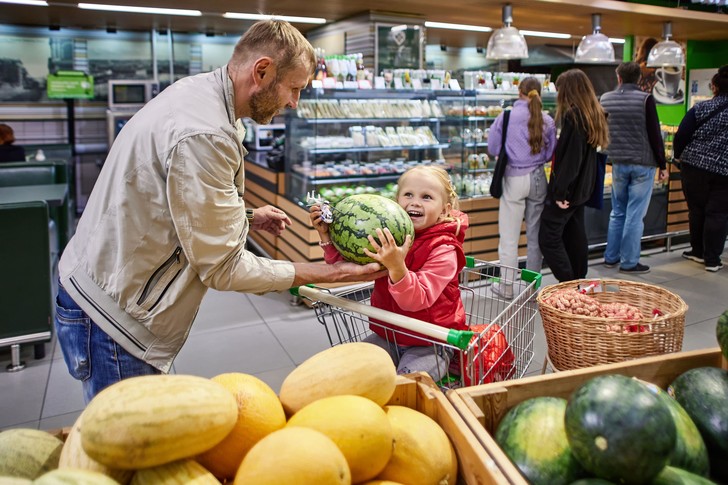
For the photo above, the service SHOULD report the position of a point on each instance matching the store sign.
(70, 85)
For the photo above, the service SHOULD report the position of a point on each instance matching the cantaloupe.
(294, 455)
(28, 453)
(358, 426)
(73, 456)
(70, 476)
(5, 480)
(260, 412)
(151, 420)
(179, 472)
(357, 368)
(422, 451)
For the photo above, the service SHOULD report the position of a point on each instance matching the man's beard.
(264, 105)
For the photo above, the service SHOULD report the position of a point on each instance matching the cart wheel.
(39, 351)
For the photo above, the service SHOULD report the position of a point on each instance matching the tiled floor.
(268, 337)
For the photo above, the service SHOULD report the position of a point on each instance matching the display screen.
(128, 94)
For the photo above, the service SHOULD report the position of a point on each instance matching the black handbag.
(496, 185)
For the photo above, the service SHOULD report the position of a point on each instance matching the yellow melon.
(357, 368)
(28, 453)
(294, 455)
(179, 472)
(380, 482)
(70, 476)
(422, 451)
(358, 426)
(260, 412)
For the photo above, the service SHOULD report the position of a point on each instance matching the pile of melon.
(330, 424)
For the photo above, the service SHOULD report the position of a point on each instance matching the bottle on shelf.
(320, 72)
(360, 74)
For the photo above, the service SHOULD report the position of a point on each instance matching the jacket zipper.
(151, 283)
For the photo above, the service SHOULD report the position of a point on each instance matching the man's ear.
(262, 68)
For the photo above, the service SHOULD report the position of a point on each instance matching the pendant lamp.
(595, 48)
(668, 52)
(507, 42)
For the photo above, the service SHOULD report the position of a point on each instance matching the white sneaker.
(503, 290)
(715, 268)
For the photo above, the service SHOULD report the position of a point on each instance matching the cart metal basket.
(500, 305)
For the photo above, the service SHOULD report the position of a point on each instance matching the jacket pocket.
(73, 331)
(160, 281)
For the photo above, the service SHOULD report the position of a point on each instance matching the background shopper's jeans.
(631, 192)
(92, 356)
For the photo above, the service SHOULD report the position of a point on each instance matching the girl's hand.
(388, 254)
(314, 213)
(563, 204)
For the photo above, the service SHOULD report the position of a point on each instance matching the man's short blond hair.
(278, 40)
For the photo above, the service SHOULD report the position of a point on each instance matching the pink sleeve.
(419, 290)
(331, 255)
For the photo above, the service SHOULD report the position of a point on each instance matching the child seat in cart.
(500, 308)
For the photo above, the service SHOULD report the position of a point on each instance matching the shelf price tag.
(454, 84)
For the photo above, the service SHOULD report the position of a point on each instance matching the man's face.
(280, 92)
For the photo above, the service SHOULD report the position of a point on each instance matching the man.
(166, 219)
(635, 150)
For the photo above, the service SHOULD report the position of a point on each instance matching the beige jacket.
(166, 221)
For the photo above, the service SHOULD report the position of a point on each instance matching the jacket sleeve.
(209, 217)
(549, 138)
(495, 136)
(419, 290)
(569, 158)
(654, 135)
(684, 133)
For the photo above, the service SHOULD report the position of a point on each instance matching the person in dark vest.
(635, 151)
(701, 144)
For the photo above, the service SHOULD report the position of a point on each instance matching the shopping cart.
(497, 346)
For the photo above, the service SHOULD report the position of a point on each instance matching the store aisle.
(267, 336)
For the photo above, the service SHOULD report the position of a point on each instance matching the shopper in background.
(562, 235)
(635, 151)
(423, 276)
(8, 151)
(166, 218)
(701, 145)
(530, 144)
(649, 78)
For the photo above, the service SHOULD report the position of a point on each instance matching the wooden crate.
(475, 466)
(482, 407)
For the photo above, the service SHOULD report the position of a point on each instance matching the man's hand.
(270, 219)
(563, 204)
(353, 272)
(664, 174)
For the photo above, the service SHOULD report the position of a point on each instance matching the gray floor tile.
(64, 393)
(700, 336)
(21, 399)
(225, 309)
(300, 333)
(60, 421)
(275, 377)
(250, 349)
(272, 305)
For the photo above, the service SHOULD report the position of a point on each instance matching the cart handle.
(526, 274)
(457, 338)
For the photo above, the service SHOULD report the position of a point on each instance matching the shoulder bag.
(496, 185)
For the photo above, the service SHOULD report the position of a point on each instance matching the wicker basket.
(576, 341)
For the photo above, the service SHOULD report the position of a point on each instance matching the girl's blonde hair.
(531, 88)
(441, 175)
(576, 98)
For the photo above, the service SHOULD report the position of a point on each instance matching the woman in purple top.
(530, 143)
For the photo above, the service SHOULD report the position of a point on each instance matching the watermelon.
(703, 392)
(676, 476)
(592, 481)
(619, 430)
(721, 331)
(532, 435)
(357, 216)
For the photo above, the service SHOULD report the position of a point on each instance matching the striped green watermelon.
(358, 216)
(721, 331)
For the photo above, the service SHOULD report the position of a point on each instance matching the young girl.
(423, 273)
(562, 235)
(531, 138)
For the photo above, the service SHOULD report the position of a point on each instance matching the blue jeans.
(631, 192)
(91, 356)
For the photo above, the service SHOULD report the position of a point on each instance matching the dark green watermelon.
(721, 331)
(619, 430)
(675, 476)
(592, 481)
(532, 435)
(358, 216)
(703, 393)
(690, 452)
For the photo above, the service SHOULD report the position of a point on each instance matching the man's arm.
(684, 133)
(342, 272)
(654, 134)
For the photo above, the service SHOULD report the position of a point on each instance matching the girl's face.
(423, 198)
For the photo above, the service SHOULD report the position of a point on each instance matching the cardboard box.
(482, 407)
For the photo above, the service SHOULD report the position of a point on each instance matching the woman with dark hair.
(648, 79)
(8, 151)
(701, 145)
(562, 236)
(531, 139)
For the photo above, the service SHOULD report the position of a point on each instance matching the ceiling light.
(595, 48)
(152, 10)
(668, 52)
(287, 18)
(507, 42)
(550, 35)
(442, 25)
(35, 3)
